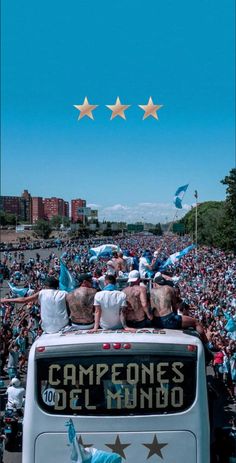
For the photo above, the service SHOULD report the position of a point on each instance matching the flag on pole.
(179, 194)
(66, 280)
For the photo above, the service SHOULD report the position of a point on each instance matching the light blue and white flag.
(179, 194)
(76, 456)
(66, 280)
(81, 454)
(174, 258)
(105, 250)
(18, 292)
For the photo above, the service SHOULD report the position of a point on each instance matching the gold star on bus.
(150, 109)
(85, 109)
(118, 109)
(118, 447)
(154, 448)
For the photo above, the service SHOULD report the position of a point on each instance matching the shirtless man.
(119, 262)
(136, 313)
(81, 303)
(164, 305)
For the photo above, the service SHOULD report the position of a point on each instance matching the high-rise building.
(26, 206)
(53, 207)
(66, 209)
(10, 205)
(30, 209)
(20, 206)
(37, 208)
(77, 204)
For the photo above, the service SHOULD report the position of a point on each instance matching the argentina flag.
(174, 258)
(81, 454)
(18, 292)
(66, 280)
(179, 194)
(105, 250)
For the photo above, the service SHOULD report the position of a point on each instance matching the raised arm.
(20, 300)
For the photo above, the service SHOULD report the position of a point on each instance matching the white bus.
(142, 395)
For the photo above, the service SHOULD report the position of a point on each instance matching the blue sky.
(179, 52)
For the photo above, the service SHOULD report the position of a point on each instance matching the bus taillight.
(127, 345)
(40, 349)
(106, 346)
(192, 348)
(117, 345)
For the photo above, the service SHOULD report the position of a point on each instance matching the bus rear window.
(116, 385)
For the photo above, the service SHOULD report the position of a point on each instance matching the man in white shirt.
(109, 305)
(145, 267)
(15, 395)
(54, 310)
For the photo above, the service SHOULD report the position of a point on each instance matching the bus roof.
(146, 335)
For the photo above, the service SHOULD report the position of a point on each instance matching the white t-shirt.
(53, 310)
(143, 267)
(111, 303)
(15, 397)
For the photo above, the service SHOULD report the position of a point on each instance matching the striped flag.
(179, 194)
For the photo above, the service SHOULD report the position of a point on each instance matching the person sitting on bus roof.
(81, 303)
(54, 310)
(109, 305)
(164, 305)
(136, 312)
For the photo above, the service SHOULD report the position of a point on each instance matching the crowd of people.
(129, 289)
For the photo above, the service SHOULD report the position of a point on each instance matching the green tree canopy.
(7, 219)
(42, 228)
(216, 219)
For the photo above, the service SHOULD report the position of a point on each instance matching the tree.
(56, 221)
(7, 219)
(229, 224)
(210, 215)
(42, 228)
(157, 230)
(230, 181)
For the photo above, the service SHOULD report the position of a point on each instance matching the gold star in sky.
(150, 109)
(118, 109)
(118, 447)
(85, 109)
(154, 448)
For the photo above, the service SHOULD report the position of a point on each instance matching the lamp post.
(196, 224)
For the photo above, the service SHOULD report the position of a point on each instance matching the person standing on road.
(15, 395)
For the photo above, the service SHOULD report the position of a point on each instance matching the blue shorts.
(171, 321)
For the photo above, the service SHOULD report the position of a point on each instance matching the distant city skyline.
(181, 54)
(142, 212)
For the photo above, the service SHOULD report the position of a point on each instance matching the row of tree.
(216, 219)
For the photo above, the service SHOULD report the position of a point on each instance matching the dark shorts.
(141, 324)
(171, 321)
